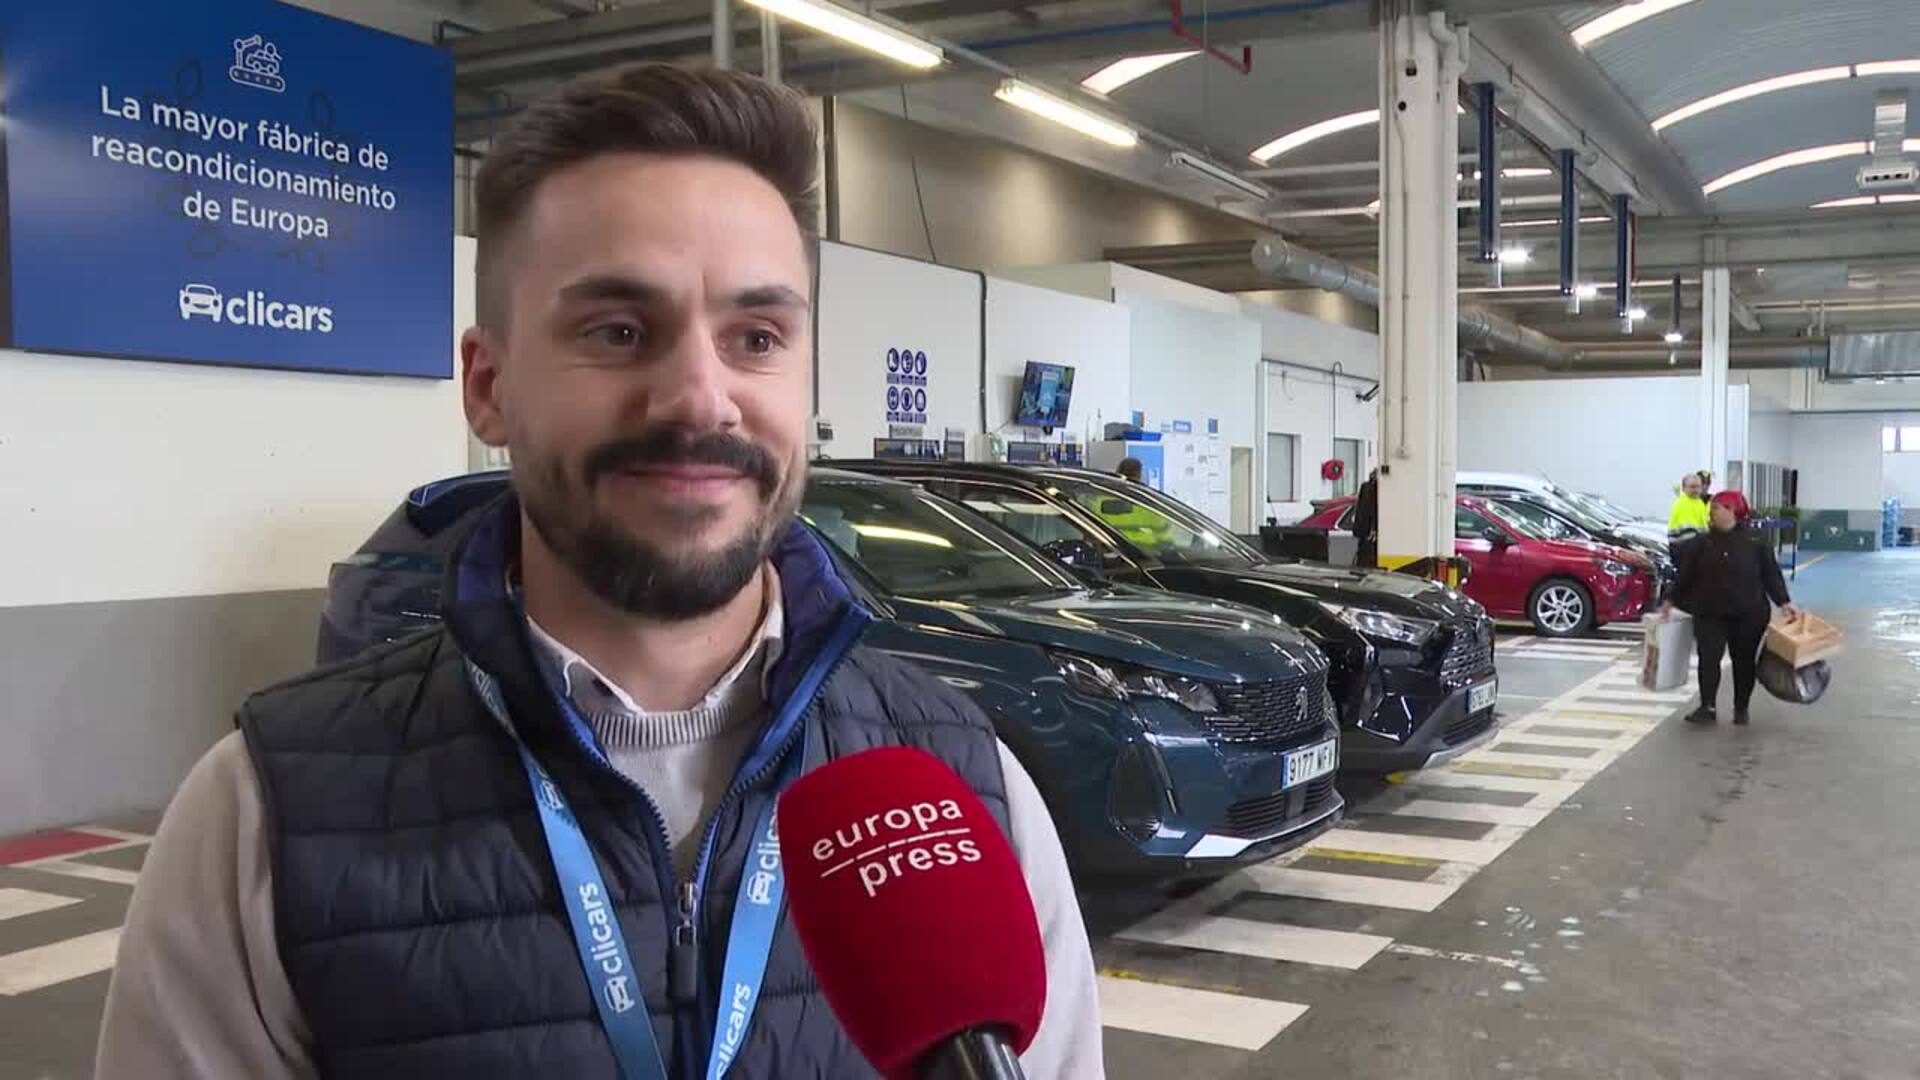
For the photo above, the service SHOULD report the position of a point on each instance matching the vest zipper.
(802, 698)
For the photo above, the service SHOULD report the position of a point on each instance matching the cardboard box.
(1802, 642)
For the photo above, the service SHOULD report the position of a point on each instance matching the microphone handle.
(974, 1054)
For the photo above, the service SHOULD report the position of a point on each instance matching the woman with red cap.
(1728, 581)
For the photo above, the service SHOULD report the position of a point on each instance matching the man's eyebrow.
(613, 287)
(768, 296)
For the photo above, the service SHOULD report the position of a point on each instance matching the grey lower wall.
(104, 707)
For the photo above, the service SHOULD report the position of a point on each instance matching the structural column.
(1716, 312)
(1420, 68)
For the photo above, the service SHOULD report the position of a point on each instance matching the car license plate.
(1313, 762)
(1482, 696)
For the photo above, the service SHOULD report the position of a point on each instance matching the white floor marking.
(108, 874)
(1546, 761)
(1567, 655)
(1544, 791)
(1606, 648)
(1208, 1016)
(1439, 848)
(1637, 709)
(32, 969)
(1636, 695)
(17, 902)
(1403, 949)
(1251, 937)
(1576, 722)
(117, 834)
(1361, 888)
(1597, 741)
(1484, 813)
(42, 862)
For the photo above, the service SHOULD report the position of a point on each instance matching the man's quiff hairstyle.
(643, 108)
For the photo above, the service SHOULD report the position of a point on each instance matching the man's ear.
(480, 356)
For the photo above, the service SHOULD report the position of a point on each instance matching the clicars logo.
(197, 299)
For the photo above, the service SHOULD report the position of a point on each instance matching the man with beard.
(474, 852)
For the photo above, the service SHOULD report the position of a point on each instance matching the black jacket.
(1728, 575)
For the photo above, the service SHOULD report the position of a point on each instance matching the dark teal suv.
(1169, 736)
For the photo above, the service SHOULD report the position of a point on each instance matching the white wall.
(1093, 337)
(1197, 365)
(1900, 479)
(1839, 459)
(1627, 439)
(1303, 404)
(129, 480)
(1770, 437)
(1302, 339)
(870, 302)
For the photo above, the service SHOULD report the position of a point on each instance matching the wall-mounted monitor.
(1046, 391)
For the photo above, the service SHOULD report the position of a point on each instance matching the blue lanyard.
(604, 956)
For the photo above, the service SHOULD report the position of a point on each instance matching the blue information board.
(227, 182)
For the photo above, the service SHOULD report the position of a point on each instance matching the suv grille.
(1269, 814)
(1273, 716)
(1470, 653)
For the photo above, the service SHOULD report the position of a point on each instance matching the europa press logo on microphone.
(885, 847)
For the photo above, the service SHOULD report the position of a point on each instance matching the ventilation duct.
(1875, 356)
(1480, 329)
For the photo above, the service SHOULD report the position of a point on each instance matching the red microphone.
(914, 913)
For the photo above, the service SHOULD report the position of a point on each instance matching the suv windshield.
(1158, 526)
(918, 545)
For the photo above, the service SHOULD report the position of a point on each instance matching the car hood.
(1590, 549)
(1394, 594)
(1201, 639)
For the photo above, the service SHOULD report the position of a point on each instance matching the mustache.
(670, 446)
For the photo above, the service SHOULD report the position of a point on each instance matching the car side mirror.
(1077, 555)
(1501, 540)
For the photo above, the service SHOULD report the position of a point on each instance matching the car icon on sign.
(200, 300)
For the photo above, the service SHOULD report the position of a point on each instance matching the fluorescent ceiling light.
(1511, 174)
(1752, 90)
(1040, 103)
(856, 29)
(1865, 200)
(1551, 223)
(1591, 31)
(1635, 314)
(1808, 156)
(1586, 290)
(1128, 68)
(1194, 163)
(894, 532)
(1515, 256)
(1294, 140)
(1887, 67)
(1673, 337)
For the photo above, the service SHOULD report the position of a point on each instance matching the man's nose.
(696, 385)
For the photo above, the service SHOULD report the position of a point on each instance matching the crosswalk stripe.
(1576, 742)
(1360, 888)
(1445, 849)
(1617, 725)
(1561, 654)
(1555, 791)
(1207, 1016)
(1598, 648)
(1542, 761)
(1269, 940)
(1633, 692)
(1535, 772)
(17, 902)
(32, 969)
(1483, 813)
(1614, 710)
(110, 874)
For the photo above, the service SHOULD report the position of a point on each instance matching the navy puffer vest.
(418, 914)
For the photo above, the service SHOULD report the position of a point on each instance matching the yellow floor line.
(1530, 772)
(1168, 980)
(1812, 561)
(1373, 856)
(1597, 714)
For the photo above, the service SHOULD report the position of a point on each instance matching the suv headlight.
(1378, 624)
(1097, 678)
(1614, 567)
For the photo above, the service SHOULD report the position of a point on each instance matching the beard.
(636, 575)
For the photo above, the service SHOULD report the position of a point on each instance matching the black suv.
(1412, 660)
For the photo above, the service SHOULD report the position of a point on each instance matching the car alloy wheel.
(1560, 608)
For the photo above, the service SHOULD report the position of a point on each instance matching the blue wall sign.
(1184, 427)
(906, 386)
(227, 182)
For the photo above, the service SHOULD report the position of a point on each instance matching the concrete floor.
(1605, 892)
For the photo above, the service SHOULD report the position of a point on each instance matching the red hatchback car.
(1564, 587)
